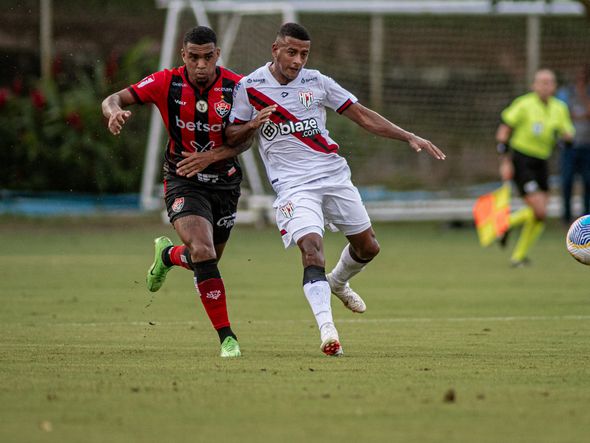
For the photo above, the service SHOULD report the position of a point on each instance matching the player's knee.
(368, 250)
(311, 251)
(200, 252)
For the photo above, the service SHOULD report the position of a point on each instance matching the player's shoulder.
(230, 75)
(257, 76)
(524, 100)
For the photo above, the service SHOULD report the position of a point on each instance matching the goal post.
(442, 69)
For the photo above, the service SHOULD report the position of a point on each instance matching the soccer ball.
(578, 239)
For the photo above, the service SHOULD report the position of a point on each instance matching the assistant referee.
(530, 129)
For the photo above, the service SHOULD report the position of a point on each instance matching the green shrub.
(53, 137)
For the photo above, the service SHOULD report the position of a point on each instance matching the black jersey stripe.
(174, 98)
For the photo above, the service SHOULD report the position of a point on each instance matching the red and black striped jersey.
(195, 119)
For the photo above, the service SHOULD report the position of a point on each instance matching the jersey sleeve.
(337, 98)
(151, 89)
(513, 114)
(242, 111)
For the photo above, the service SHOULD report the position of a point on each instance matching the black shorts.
(219, 206)
(531, 174)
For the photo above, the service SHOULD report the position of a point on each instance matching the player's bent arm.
(112, 109)
(237, 134)
(195, 162)
(379, 125)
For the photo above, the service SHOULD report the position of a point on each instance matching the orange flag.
(491, 213)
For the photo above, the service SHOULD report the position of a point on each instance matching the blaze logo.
(222, 108)
(178, 204)
(307, 128)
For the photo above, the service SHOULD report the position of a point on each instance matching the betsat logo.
(199, 126)
(307, 128)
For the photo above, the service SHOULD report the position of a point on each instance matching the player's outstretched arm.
(236, 134)
(379, 125)
(195, 162)
(112, 109)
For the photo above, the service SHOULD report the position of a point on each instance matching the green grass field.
(87, 354)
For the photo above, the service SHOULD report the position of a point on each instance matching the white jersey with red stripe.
(295, 145)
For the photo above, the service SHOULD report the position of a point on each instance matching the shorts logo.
(214, 295)
(202, 106)
(288, 210)
(222, 108)
(178, 204)
(227, 222)
(306, 98)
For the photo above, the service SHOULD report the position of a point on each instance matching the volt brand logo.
(227, 222)
(199, 126)
(179, 102)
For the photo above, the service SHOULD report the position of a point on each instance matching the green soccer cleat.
(230, 348)
(157, 273)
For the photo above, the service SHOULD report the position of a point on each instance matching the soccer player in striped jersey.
(285, 104)
(202, 174)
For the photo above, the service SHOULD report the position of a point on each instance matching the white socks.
(346, 268)
(318, 295)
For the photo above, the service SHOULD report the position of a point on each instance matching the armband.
(503, 148)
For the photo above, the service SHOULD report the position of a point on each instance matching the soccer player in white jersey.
(285, 105)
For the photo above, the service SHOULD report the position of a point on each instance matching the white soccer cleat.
(330, 341)
(347, 295)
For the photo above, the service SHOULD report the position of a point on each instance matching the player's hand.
(506, 169)
(193, 163)
(262, 117)
(419, 143)
(117, 120)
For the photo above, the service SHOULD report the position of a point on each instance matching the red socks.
(213, 298)
(178, 256)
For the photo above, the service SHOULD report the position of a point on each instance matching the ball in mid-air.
(578, 239)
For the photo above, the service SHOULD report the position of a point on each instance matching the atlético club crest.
(306, 98)
(288, 209)
(178, 204)
(222, 108)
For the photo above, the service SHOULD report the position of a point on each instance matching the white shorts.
(334, 202)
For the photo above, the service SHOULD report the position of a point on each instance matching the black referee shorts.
(531, 174)
(219, 206)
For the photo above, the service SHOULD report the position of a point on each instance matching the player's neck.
(277, 75)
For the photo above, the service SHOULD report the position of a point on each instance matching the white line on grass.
(350, 320)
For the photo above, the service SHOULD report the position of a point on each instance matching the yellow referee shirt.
(536, 125)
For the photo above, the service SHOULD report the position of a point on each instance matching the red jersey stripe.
(281, 115)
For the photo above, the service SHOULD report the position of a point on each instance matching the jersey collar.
(196, 88)
(272, 80)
